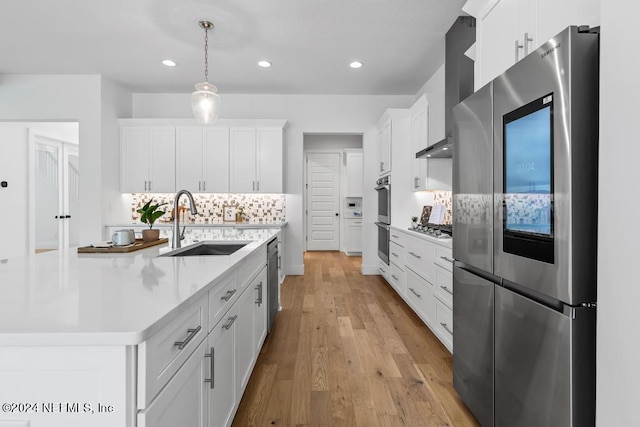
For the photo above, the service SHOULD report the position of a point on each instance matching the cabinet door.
(134, 159)
(222, 394)
(439, 174)
(189, 162)
(354, 175)
(353, 242)
(260, 303)
(555, 16)
(216, 155)
(384, 147)
(245, 339)
(184, 401)
(269, 160)
(419, 295)
(419, 141)
(242, 141)
(162, 165)
(500, 31)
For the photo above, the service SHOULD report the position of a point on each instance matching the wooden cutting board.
(139, 244)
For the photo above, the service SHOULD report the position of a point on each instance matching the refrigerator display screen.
(528, 177)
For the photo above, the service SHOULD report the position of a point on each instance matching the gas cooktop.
(441, 231)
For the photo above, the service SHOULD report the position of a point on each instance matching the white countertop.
(164, 225)
(446, 242)
(66, 298)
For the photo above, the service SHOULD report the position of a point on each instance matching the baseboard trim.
(369, 270)
(295, 270)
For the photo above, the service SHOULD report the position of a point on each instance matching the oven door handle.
(383, 225)
(383, 187)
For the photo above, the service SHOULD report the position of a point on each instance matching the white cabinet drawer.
(221, 297)
(250, 267)
(397, 254)
(420, 257)
(419, 294)
(444, 324)
(396, 279)
(444, 258)
(397, 237)
(165, 351)
(444, 286)
(384, 270)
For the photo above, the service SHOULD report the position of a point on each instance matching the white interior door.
(323, 202)
(56, 194)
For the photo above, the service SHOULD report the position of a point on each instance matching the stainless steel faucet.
(175, 242)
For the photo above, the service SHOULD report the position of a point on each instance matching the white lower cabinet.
(259, 289)
(184, 401)
(222, 394)
(245, 344)
(353, 236)
(421, 273)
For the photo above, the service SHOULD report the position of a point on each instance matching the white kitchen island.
(132, 339)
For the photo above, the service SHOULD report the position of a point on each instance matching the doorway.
(324, 189)
(55, 192)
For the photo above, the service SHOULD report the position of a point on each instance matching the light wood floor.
(347, 351)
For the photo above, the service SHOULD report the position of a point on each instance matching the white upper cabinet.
(202, 159)
(393, 137)
(419, 141)
(256, 160)
(384, 147)
(147, 159)
(269, 166)
(354, 170)
(508, 30)
(238, 156)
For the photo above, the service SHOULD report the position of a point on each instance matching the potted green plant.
(240, 213)
(149, 213)
(414, 222)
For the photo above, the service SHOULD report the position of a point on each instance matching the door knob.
(336, 213)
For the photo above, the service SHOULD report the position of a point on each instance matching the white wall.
(65, 98)
(306, 114)
(618, 348)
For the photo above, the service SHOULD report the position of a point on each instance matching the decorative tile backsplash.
(444, 198)
(258, 208)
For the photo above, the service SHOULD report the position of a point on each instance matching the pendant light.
(204, 100)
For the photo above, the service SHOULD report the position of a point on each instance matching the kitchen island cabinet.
(128, 339)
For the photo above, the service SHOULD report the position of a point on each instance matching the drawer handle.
(259, 289)
(394, 254)
(228, 295)
(415, 293)
(192, 333)
(395, 236)
(446, 258)
(231, 320)
(382, 270)
(394, 276)
(213, 367)
(444, 288)
(417, 256)
(444, 326)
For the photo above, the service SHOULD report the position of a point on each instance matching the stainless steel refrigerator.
(525, 215)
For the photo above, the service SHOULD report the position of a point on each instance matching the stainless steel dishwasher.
(272, 282)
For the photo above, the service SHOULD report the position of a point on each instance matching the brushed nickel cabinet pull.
(192, 333)
(444, 326)
(228, 295)
(259, 289)
(446, 290)
(213, 368)
(417, 256)
(231, 320)
(446, 258)
(527, 39)
(415, 293)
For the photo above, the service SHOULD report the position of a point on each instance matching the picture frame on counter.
(229, 213)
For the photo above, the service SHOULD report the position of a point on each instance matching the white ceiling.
(309, 42)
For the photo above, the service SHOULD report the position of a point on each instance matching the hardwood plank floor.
(347, 351)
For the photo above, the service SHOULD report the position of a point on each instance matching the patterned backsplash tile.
(258, 208)
(444, 198)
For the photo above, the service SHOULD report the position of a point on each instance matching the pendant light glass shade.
(205, 103)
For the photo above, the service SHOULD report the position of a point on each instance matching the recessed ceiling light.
(264, 64)
(356, 64)
(445, 148)
(169, 63)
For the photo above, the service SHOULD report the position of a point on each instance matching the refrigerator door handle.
(477, 272)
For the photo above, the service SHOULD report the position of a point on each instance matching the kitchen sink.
(208, 248)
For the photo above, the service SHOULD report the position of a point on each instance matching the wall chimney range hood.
(458, 70)
(440, 150)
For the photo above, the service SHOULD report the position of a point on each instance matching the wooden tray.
(139, 244)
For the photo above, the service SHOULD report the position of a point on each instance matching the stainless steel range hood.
(440, 150)
(458, 81)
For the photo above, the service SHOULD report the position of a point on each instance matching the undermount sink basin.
(208, 248)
